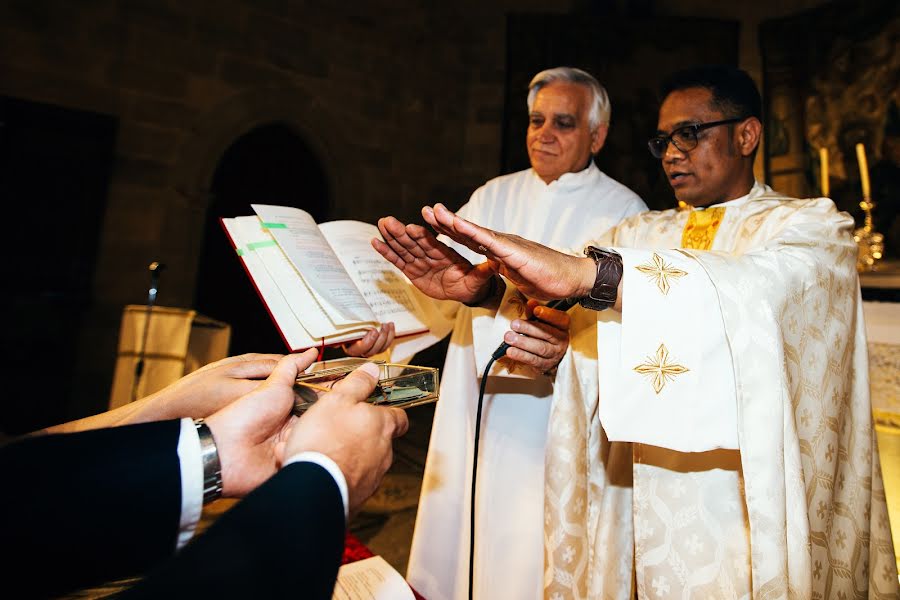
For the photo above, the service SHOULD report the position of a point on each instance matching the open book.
(323, 284)
(371, 579)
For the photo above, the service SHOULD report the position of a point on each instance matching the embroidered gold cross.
(661, 272)
(661, 369)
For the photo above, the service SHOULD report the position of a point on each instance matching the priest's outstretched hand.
(536, 270)
(432, 266)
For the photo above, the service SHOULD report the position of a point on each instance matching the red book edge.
(272, 317)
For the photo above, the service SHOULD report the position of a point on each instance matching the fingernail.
(371, 369)
(515, 325)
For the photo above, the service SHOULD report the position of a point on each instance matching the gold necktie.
(701, 228)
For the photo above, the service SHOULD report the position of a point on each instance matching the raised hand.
(537, 271)
(432, 266)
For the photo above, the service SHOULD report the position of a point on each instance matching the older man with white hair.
(563, 200)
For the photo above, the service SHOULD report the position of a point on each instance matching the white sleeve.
(666, 375)
(191, 482)
(330, 466)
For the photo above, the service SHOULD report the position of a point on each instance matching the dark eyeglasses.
(684, 138)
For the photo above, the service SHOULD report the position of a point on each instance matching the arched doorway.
(270, 164)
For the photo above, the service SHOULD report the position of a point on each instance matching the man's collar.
(576, 178)
(757, 190)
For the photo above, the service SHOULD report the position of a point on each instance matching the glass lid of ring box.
(401, 386)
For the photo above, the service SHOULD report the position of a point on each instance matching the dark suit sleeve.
(284, 540)
(84, 508)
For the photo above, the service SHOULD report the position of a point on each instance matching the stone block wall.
(402, 101)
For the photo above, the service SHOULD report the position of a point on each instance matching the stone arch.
(220, 127)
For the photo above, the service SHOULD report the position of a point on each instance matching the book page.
(295, 335)
(384, 287)
(371, 579)
(296, 311)
(306, 248)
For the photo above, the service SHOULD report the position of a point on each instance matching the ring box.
(400, 386)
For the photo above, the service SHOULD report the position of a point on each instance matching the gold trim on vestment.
(701, 227)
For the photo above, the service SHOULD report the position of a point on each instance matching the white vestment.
(509, 542)
(737, 455)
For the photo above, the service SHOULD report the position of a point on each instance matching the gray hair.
(600, 107)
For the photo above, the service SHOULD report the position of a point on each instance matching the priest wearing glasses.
(713, 437)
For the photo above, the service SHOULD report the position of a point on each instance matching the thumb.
(557, 318)
(252, 369)
(359, 383)
(485, 270)
(286, 371)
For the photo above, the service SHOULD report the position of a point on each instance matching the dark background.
(129, 127)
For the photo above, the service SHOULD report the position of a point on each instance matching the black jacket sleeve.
(284, 540)
(83, 508)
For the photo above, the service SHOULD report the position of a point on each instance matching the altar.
(881, 310)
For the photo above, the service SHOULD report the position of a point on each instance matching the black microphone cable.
(564, 305)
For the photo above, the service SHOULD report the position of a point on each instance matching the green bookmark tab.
(240, 251)
(258, 245)
(274, 225)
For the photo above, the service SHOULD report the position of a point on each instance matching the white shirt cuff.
(330, 466)
(191, 481)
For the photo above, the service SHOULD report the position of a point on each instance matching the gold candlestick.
(863, 171)
(870, 242)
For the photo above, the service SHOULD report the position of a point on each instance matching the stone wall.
(402, 101)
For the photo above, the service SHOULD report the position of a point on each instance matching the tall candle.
(823, 169)
(863, 171)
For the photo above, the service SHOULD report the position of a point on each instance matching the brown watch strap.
(606, 284)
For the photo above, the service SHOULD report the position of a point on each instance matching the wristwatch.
(212, 468)
(606, 285)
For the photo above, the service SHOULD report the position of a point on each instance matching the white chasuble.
(759, 335)
(509, 505)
